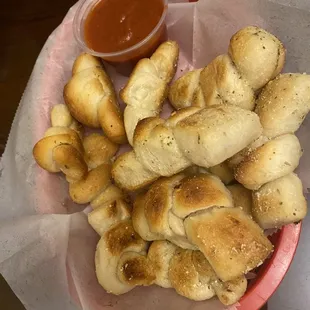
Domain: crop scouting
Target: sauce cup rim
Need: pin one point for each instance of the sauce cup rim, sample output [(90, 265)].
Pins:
[(83, 9)]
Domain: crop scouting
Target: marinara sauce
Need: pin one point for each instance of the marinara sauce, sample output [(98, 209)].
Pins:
[(116, 25)]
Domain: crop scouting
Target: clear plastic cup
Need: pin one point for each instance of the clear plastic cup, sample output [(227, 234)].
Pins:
[(130, 56)]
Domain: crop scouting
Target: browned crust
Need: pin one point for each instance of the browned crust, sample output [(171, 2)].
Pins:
[(145, 126), (181, 90), (202, 265), (107, 115), (158, 203), (201, 192), (70, 161), (110, 116), (242, 197), (43, 148), (121, 237), (98, 149), (230, 240), (135, 270), (95, 182), (182, 272)]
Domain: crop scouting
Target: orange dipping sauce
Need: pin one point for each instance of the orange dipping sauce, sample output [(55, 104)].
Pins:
[(116, 25)]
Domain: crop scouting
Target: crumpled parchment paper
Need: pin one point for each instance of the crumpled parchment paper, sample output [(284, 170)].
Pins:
[(47, 246)]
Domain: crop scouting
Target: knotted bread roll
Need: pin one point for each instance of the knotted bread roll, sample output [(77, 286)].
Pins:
[(272, 160), (123, 261), (191, 275), (279, 202), (204, 137), (86, 164), (111, 219), (254, 58), (98, 149), (96, 187), (91, 98), (61, 149), (147, 87), (282, 106), (111, 214), (266, 165), (120, 260), (197, 212), (98, 153)]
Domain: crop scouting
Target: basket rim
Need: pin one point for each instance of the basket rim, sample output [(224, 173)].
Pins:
[(273, 270)]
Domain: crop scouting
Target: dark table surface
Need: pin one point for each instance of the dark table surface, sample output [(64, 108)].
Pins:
[(25, 26)]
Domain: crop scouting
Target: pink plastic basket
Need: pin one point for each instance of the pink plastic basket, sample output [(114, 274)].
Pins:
[(269, 275)]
